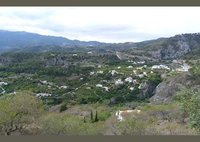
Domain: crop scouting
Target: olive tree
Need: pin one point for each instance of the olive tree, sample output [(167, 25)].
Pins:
[(18, 111)]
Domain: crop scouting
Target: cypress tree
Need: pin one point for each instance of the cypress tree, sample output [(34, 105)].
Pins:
[(84, 119), (91, 116), (96, 117)]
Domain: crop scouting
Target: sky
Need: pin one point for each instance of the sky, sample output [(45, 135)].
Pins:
[(104, 24)]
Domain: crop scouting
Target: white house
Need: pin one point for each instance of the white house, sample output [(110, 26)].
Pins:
[(145, 74), (113, 72), (106, 88), (43, 95), (118, 81), (91, 73), (131, 88), (100, 72), (3, 83), (141, 62), (99, 85), (160, 67), (89, 52), (134, 71), (140, 75), (130, 67), (44, 82), (129, 79), (63, 87), (120, 114)]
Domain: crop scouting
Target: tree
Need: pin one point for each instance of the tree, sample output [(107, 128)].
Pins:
[(91, 114), (18, 111), (96, 117), (190, 106)]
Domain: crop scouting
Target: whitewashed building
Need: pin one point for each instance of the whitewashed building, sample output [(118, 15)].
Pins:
[(113, 72), (120, 114), (160, 67), (100, 72), (118, 82), (43, 95), (3, 83), (130, 67), (129, 79), (99, 85)]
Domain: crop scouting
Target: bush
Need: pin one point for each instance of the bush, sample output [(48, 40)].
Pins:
[(104, 115), (63, 106)]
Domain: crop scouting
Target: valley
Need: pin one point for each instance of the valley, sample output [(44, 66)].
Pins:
[(120, 91)]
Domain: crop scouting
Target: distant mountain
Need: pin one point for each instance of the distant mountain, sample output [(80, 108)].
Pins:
[(10, 39), (18, 41), (158, 49)]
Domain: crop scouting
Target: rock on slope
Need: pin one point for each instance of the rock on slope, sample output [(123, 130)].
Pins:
[(165, 90)]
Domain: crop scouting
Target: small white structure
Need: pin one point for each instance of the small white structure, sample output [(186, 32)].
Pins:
[(13, 93), (113, 72), (119, 67), (106, 88), (91, 73), (120, 113), (160, 67), (134, 71), (118, 82), (3, 83), (90, 53), (81, 78), (130, 67), (151, 71), (63, 87), (184, 68), (130, 61), (134, 81), (43, 95), (99, 85), (140, 86), (100, 72), (105, 81), (74, 54), (140, 75), (129, 79), (145, 74), (131, 88), (44, 82), (141, 62), (139, 68)]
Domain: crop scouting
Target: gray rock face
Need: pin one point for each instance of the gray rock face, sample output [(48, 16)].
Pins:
[(179, 45), (57, 61), (146, 90), (165, 90)]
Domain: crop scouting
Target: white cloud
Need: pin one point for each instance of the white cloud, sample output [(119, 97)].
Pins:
[(108, 24)]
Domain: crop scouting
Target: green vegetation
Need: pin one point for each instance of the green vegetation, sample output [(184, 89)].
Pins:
[(84, 96)]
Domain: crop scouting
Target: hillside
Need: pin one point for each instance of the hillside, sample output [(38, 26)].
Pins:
[(170, 48)]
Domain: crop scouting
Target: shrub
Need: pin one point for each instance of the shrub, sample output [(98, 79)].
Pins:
[(104, 115)]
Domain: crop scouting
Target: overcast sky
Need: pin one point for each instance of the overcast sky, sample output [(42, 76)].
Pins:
[(105, 24)]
